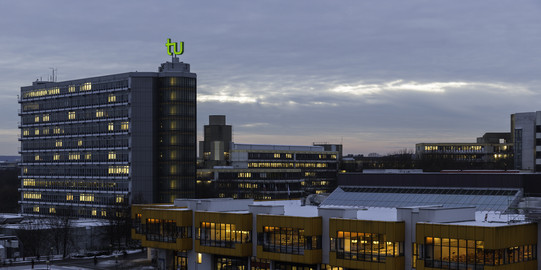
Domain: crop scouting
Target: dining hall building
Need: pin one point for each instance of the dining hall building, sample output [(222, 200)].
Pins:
[(353, 228)]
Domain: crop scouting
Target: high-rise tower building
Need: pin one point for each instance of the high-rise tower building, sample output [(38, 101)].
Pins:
[(92, 146)]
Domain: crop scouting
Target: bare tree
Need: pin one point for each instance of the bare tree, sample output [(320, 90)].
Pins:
[(32, 235), (60, 233)]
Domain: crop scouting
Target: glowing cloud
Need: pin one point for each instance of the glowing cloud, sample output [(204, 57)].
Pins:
[(398, 85)]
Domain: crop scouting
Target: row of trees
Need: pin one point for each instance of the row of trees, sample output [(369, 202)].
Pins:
[(46, 236), (64, 235)]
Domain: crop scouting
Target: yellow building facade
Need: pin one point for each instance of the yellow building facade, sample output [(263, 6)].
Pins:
[(243, 234)]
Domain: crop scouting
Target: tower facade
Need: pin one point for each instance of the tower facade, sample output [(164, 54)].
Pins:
[(214, 150), (91, 146)]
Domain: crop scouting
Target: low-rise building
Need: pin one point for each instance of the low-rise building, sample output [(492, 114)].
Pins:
[(491, 151), (354, 228)]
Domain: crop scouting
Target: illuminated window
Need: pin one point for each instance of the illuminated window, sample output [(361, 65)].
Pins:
[(103, 213), (173, 95), (111, 126), (173, 125), (36, 118), (119, 199), (100, 113), (173, 169), (56, 130), (124, 125), (32, 195), (36, 131), (276, 155), (245, 175), (36, 209), (199, 256), (88, 156), (173, 154), (173, 110), (25, 170), (112, 155), (289, 156), (29, 182), (360, 246), (71, 88), (45, 118), (111, 98), (71, 115), (26, 132), (173, 81), (36, 157), (94, 212), (119, 170), (45, 131), (173, 184), (52, 210), (86, 86), (174, 139), (80, 143), (86, 197), (74, 156), (69, 197), (56, 157)]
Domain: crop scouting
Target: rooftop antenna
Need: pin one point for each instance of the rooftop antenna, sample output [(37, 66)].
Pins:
[(53, 77)]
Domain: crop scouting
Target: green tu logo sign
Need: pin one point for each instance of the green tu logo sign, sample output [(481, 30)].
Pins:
[(172, 47)]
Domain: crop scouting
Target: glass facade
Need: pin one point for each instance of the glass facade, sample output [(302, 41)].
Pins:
[(221, 235), (452, 253), (177, 139), (370, 247), (65, 145), (181, 260), (287, 240), (227, 263), (259, 264), (294, 266), (163, 230)]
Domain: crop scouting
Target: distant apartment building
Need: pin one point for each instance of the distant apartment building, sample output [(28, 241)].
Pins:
[(92, 146), (526, 133), (260, 171), (485, 153)]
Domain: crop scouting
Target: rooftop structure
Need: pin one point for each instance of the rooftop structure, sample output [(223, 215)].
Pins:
[(482, 199)]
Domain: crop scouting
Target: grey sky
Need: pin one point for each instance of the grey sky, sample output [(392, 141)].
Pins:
[(378, 75)]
